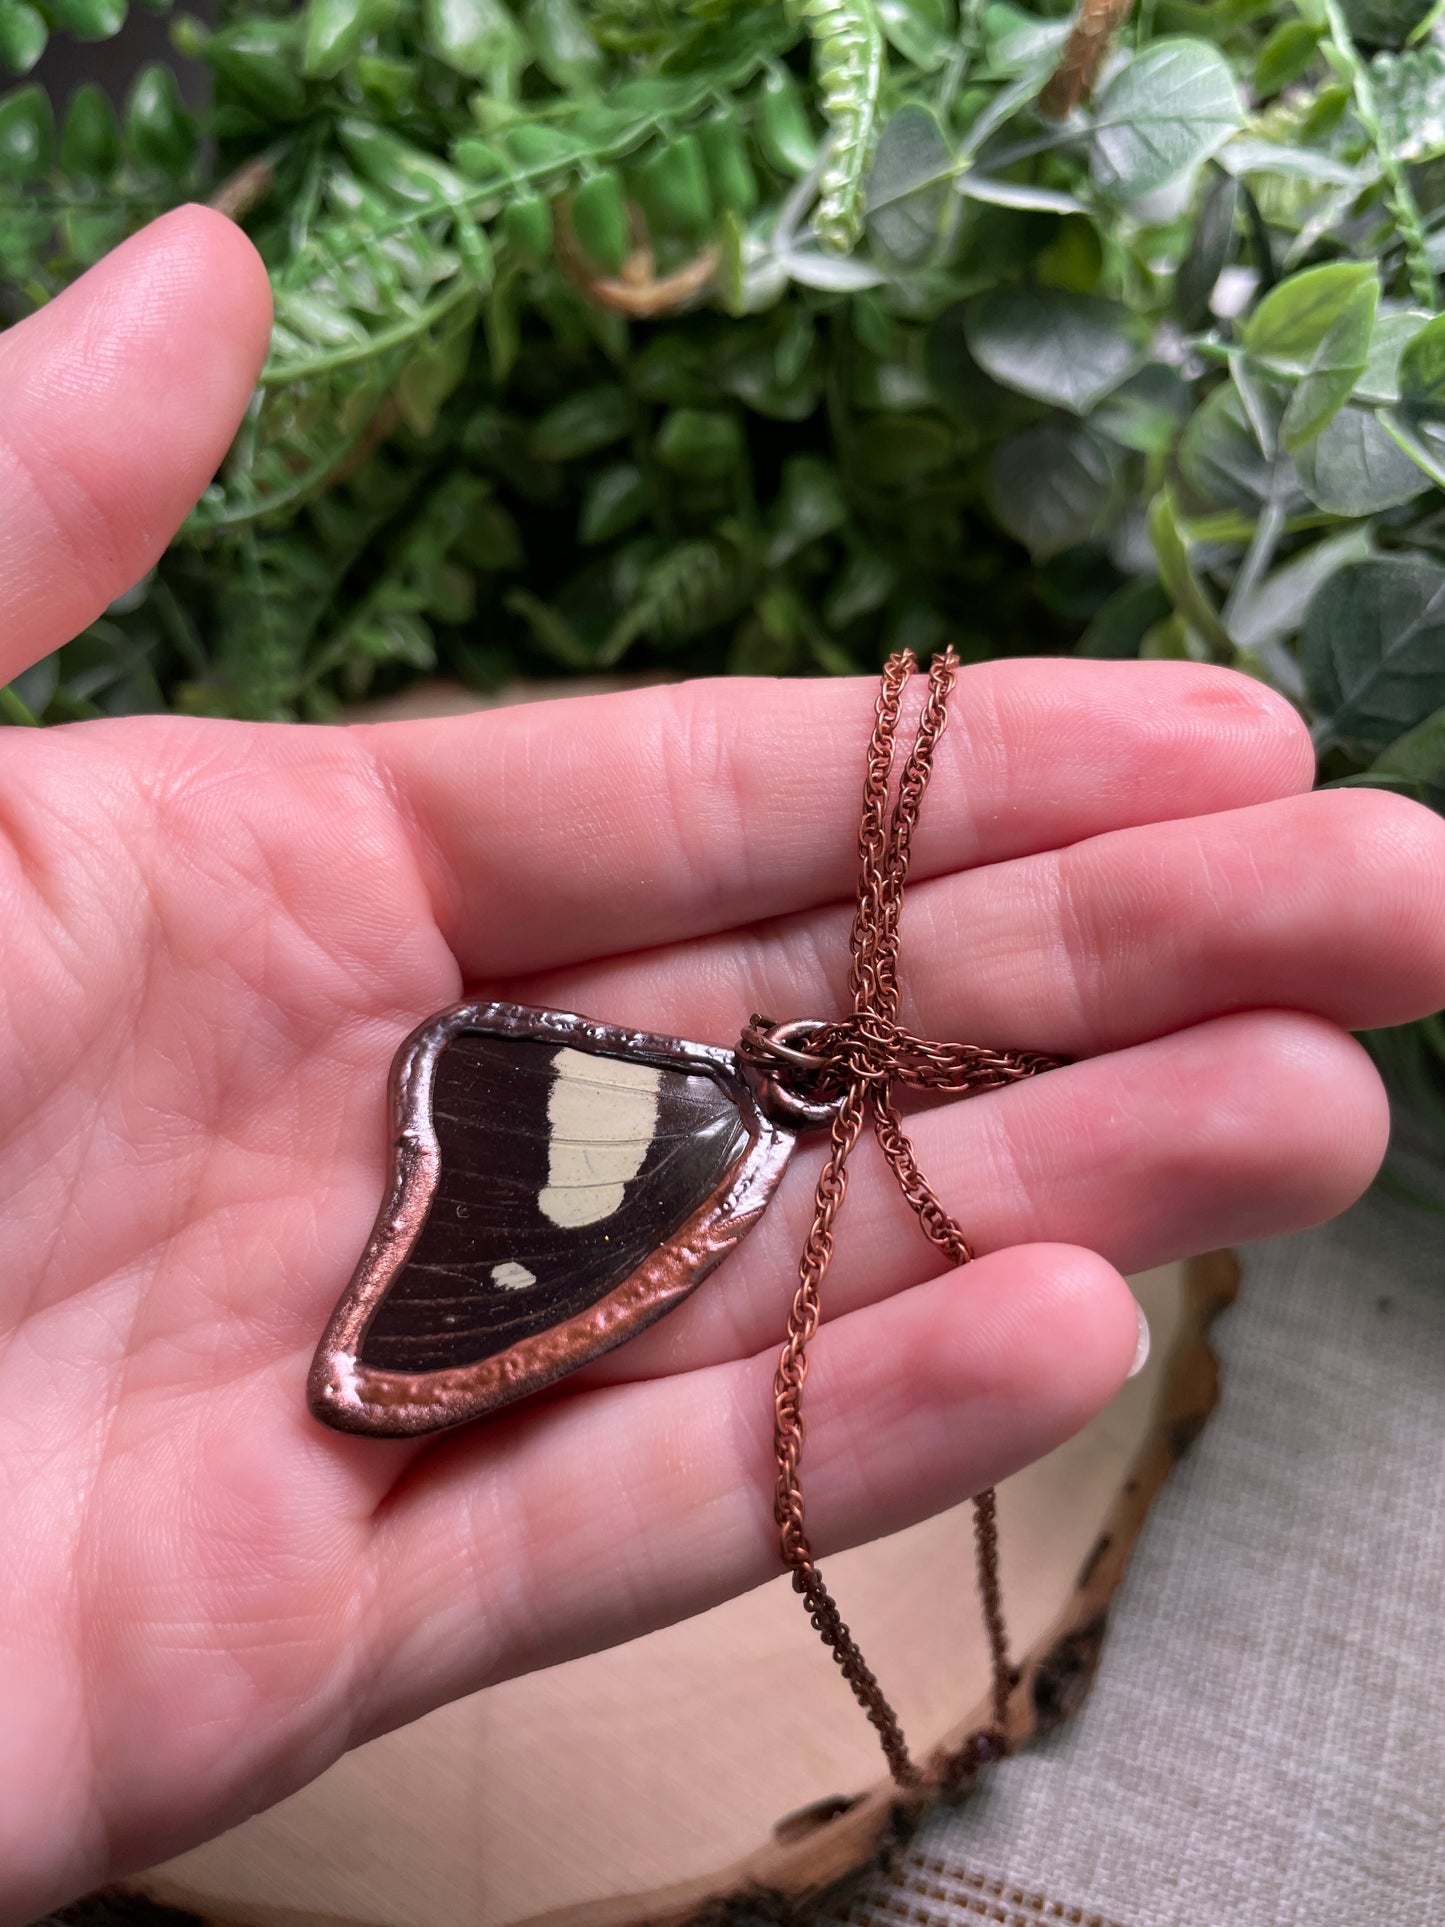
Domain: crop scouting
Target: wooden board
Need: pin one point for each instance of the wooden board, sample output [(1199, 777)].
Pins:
[(634, 1784)]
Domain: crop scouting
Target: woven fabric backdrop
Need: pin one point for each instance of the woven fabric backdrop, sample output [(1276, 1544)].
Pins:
[(1265, 1744)]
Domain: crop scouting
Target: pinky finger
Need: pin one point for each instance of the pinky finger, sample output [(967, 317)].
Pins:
[(605, 1514)]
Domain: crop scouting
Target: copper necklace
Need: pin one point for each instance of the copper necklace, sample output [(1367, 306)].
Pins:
[(558, 1185)]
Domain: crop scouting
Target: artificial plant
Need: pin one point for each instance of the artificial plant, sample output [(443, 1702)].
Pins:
[(770, 335)]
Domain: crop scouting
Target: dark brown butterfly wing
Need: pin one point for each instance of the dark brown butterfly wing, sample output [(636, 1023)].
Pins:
[(558, 1186)]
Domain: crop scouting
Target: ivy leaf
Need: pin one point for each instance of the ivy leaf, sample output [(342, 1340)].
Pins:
[(1168, 110), (1355, 468), (1051, 487), (909, 184), (810, 504), (1373, 650), (1334, 368), (1067, 349)]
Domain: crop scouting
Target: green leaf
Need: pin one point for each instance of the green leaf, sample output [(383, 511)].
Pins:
[(1288, 327), (1421, 439), (1067, 349), (23, 34), (1334, 368), (1209, 251), (1409, 90), (809, 505), (909, 185), (1394, 329), (616, 500), (923, 31), (1176, 572), (890, 451), (1418, 756), (1221, 462), (583, 423), (1117, 632), (477, 38), (565, 49), (1373, 651), (89, 19), (1168, 110), (1355, 468), (704, 443), (1051, 487), (1017, 42), (1147, 412), (1276, 607), (1284, 56)]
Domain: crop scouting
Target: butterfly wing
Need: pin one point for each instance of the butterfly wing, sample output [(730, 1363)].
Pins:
[(558, 1185)]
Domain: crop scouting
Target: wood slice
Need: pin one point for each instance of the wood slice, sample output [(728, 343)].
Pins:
[(724, 1754)]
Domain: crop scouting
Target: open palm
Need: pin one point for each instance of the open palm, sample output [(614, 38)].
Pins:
[(214, 935)]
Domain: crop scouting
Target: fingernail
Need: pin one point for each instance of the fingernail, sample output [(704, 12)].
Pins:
[(1141, 1350)]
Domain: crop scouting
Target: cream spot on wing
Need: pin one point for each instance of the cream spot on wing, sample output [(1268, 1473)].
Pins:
[(603, 1113), (513, 1277)]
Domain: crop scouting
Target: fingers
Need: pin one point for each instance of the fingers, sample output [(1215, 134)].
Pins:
[(604, 1515), (1239, 1129), (117, 403), (1332, 903), (552, 831)]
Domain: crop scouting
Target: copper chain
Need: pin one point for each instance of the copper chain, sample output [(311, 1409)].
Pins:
[(856, 1062)]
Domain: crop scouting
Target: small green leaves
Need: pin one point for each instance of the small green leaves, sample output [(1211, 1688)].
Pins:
[(583, 423), (334, 32), (27, 133), (159, 132), (563, 44), (784, 136), (909, 187), (1171, 107), (704, 444), (1374, 648), (89, 19), (477, 38), (599, 221), (23, 34), (1067, 349), (90, 138)]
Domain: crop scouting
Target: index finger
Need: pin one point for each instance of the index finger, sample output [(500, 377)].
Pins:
[(564, 831)]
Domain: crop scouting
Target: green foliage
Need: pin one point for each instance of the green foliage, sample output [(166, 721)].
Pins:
[(770, 334)]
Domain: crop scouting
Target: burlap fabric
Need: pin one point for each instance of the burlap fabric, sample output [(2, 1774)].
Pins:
[(1265, 1745)]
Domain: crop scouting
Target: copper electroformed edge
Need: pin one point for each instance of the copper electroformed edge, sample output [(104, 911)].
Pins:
[(353, 1397)]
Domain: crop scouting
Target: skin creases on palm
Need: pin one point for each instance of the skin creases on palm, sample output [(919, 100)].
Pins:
[(215, 935)]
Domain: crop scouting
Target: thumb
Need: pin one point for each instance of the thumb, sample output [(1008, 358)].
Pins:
[(117, 403)]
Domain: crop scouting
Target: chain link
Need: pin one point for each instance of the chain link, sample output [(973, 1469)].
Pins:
[(855, 1062)]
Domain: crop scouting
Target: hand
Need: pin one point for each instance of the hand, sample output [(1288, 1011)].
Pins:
[(214, 937)]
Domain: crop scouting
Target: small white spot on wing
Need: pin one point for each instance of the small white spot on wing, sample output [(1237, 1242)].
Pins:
[(512, 1276)]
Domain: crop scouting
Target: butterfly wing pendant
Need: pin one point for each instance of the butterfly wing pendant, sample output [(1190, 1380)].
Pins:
[(557, 1186)]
